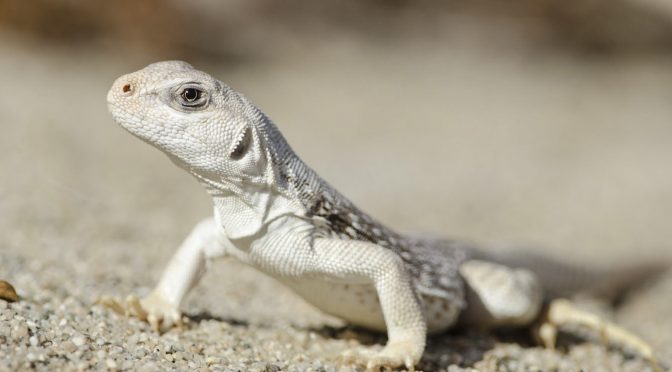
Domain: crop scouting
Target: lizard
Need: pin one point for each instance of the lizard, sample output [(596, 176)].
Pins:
[(274, 213)]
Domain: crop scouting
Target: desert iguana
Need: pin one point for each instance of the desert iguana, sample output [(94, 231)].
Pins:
[(276, 214)]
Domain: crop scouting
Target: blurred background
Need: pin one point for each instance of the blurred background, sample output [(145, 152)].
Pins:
[(538, 122)]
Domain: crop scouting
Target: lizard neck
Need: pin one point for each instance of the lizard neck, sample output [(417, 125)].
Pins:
[(246, 216), (244, 208)]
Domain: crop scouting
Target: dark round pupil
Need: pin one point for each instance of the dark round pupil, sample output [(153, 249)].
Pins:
[(190, 94)]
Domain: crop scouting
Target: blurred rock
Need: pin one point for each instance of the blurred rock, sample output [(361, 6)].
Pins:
[(236, 29), (606, 26), (7, 292), (152, 24)]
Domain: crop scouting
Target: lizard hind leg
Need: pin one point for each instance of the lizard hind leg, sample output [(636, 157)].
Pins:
[(562, 312), (501, 296), (498, 295)]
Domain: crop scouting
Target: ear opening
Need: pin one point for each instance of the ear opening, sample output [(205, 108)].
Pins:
[(243, 145)]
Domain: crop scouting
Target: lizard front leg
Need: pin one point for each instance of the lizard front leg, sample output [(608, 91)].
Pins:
[(402, 311), (161, 307)]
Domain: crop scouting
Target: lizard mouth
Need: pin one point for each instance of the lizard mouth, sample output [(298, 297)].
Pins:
[(242, 144)]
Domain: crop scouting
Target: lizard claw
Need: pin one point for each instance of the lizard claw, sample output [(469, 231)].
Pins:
[(112, 304), (394, 355), (154, 309)]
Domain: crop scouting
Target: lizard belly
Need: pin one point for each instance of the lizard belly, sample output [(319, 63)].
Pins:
[(358, 304), (440, 313)]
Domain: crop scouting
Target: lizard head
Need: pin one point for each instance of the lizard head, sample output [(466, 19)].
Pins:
[(202, 124)]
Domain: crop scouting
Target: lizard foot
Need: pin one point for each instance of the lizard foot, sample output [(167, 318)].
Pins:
[(154, 309), (394, 355), (563, 312)]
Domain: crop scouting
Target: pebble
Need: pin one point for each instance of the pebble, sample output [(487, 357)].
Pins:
[(20, 331), (7, 292), (78, 340), (111, 364), (126, 365), (132, 340), (69, 346)]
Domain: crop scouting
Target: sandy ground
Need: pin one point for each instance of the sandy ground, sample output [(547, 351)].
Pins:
[(476, 140)]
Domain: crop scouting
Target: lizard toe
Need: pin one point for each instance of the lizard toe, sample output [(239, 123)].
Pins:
[(153, 309), (395, 355), (158, 312)]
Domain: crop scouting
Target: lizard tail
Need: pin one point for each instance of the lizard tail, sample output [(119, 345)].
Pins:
[(561, 279)]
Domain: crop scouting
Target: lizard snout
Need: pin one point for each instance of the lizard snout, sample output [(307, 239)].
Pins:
[(122, 87)]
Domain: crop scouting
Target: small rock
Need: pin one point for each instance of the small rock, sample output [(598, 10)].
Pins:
[(69, 346), (132, 340), (7, 292), (20, 331), (79, 340), (111, 364), (127, 365), (116, 350), (149, 366)]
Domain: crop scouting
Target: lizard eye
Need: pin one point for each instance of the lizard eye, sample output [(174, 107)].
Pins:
[(191, 97), (191, 94)]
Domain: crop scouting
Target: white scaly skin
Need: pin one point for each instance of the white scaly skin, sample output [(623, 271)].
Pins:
[(274, 213)]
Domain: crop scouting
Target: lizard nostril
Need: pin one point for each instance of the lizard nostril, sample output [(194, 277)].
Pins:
[(126, 88)]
